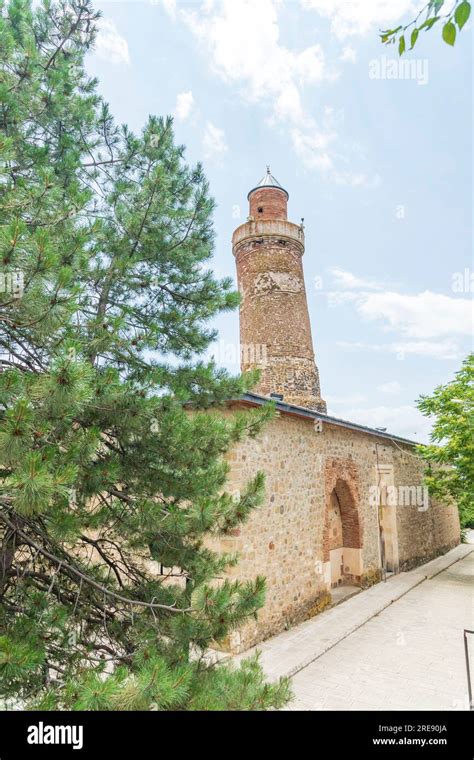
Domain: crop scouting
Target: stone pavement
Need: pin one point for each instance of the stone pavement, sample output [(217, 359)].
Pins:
[(398, 645)]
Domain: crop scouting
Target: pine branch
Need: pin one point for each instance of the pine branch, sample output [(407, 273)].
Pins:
[(64, 566)]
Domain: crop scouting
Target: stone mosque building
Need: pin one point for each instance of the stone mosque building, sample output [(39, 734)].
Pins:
[(344, 504)]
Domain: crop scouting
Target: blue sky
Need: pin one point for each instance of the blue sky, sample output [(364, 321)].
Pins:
[(377, 160)]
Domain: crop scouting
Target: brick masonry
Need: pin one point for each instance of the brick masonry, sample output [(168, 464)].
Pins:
[(268, 250), (268, 203)]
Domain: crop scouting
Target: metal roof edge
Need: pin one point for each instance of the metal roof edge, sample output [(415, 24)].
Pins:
[(283, 406)]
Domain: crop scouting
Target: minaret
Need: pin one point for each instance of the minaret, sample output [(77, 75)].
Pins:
[(275, 332)]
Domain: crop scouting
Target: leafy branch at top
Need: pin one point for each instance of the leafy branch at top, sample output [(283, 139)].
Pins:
[(454, 20)]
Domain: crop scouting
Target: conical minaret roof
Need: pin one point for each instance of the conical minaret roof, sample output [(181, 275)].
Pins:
[(268, 180)]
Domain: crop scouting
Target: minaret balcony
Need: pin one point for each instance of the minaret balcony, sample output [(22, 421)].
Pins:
[(259, 228)]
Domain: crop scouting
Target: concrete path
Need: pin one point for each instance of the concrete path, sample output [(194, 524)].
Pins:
[(398, 645)]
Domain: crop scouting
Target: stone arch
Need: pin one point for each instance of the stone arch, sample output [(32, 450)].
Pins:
[(342, 549)]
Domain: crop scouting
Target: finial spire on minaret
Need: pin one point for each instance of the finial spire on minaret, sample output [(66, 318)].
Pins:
[(267, 181)]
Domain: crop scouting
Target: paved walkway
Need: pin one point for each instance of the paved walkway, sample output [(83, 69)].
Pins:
[(398, 645)]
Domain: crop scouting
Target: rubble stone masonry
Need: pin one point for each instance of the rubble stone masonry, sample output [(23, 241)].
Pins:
[(286, 539)]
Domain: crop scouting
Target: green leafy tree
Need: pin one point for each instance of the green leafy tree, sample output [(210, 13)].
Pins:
[(452, 448), (451, 22), (112, 442)]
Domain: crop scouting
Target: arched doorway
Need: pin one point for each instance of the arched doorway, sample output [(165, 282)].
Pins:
[(343, 540), (336, 543)]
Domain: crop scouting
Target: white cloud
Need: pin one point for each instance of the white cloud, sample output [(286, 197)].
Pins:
[(241, 39), (312, 148), (439, 349), (393, 386), (348, 54), (344, 400), (430, 321), (358, 17), (310, 65), (110, 45), (213, 142), (345, 279), (404, 420), (424, 315), (356, 179), (170, 7), (184, 105)]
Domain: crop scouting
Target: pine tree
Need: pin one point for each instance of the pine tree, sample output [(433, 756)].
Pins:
[(112, 443)]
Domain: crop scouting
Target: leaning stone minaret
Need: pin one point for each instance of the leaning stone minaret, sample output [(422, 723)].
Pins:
[(275, 332)]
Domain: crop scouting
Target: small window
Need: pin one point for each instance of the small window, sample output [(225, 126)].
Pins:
[(260, 209)]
